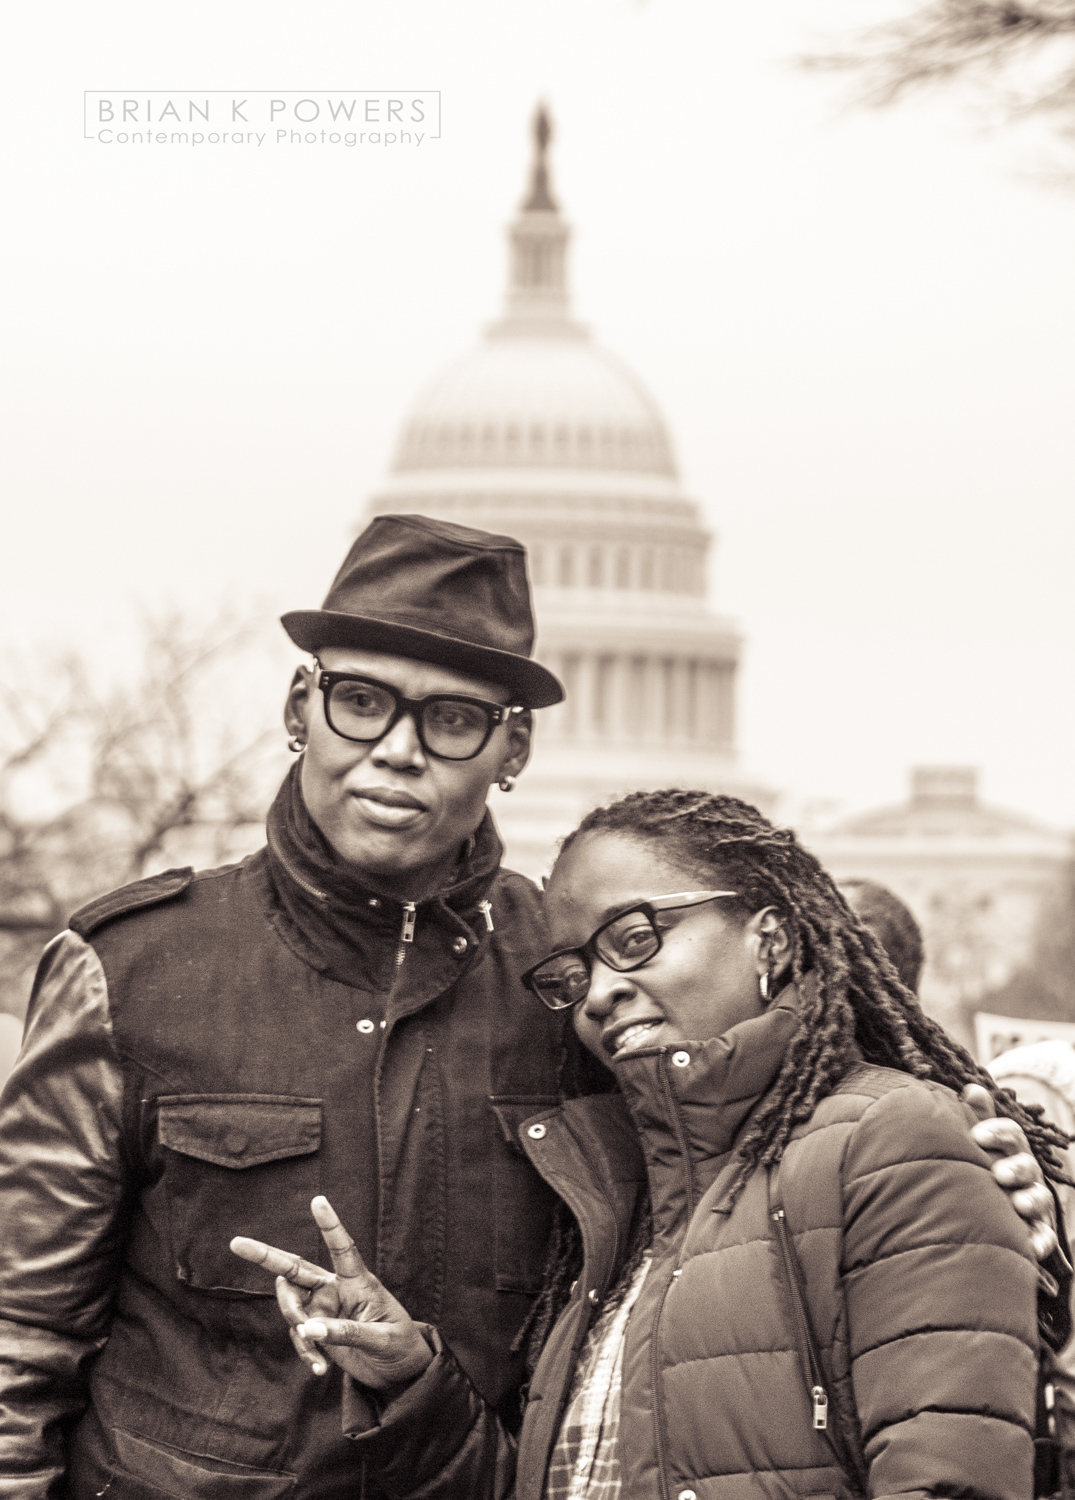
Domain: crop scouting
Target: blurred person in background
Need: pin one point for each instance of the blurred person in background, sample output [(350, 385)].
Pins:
[(1043, 1074)]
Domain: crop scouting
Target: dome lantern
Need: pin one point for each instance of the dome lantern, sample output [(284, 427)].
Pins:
[(541, 434), (537, 301)]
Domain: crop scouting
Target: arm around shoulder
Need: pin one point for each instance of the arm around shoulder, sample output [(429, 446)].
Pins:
[(940, 1285), (62, 1192)]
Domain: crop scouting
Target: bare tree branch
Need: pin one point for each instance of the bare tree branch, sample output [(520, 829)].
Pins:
[(1022, 53), (98, 788)]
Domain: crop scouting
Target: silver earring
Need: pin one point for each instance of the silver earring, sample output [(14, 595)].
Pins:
[(294, 744), (506, 783), (763, 986)]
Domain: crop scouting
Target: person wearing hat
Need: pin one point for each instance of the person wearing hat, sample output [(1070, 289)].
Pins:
[(339, 1013)]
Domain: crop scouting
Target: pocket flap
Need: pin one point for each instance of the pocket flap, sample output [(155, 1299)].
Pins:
[(239, 1130), (511, 1110)]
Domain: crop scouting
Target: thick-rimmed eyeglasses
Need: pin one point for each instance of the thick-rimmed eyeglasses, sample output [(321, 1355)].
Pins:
[(625, 942), (450, 726)]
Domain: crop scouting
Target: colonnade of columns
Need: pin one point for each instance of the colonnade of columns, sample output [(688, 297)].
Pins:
[(633, 697), (667, 568)]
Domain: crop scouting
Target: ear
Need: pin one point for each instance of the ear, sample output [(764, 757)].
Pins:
[(520, 743), (297, 703), (773, 942)]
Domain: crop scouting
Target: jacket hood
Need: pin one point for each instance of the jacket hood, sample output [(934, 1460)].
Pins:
[(689, 1101)]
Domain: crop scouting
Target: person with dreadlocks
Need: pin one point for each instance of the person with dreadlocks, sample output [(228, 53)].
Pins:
[(781, 1266)]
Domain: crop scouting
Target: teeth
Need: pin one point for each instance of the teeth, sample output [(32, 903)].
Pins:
[(633, 1034)]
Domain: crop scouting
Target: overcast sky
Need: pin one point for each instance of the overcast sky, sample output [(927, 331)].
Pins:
[(860, 329)]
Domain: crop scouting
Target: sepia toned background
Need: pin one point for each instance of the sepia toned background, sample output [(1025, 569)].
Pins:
[(857, 326)]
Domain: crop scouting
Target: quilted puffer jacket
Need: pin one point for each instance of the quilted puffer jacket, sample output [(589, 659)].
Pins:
[(919, 1282)]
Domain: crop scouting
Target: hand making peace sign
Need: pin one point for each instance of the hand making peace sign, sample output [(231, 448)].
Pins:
[(363, 1328)]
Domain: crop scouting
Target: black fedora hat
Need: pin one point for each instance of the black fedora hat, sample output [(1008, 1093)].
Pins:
[(413, 586)]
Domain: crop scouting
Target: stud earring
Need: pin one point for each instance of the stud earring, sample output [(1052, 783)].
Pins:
[(506, 783), (294, 744)]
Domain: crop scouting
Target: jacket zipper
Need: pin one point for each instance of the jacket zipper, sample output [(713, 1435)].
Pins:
[(406, 932), (658, 1424), (485, 907), (817, 1389)]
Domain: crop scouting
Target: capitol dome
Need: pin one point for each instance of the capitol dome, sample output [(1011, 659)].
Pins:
[(551, 402), (541, 434)]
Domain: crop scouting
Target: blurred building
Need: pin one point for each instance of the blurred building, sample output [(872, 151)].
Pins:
[(973, 875), (541, 434)]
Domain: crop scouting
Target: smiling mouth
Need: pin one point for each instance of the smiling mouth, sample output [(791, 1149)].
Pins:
[(629, 1037)]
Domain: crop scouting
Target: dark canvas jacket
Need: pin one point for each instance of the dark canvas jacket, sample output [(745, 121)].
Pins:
[(919, 1278), (205, 1053)]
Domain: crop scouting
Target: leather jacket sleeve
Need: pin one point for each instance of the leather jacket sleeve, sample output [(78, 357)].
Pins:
[(63, 1189), (436, 1439)]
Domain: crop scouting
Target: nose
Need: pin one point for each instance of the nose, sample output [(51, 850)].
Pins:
[(607, 988), (401, 749)]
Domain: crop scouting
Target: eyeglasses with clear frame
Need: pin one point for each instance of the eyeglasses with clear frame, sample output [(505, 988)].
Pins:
[(625, 942), (450, 726)]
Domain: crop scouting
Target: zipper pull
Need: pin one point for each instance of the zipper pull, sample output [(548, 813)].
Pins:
[(821, 1407), (487, 912), (777, 1215), (410, 915)]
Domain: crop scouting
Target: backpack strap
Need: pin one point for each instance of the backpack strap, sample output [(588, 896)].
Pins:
[(827, 1417), (143, 893)]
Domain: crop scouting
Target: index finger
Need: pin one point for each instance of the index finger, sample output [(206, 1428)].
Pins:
[(281, 1263), (342, 1248)]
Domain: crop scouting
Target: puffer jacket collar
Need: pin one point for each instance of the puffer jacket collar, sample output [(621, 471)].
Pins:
[(673, 1122), (344, 927), (689, 1101)]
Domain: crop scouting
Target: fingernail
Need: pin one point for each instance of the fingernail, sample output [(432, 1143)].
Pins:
[(314, 1329)]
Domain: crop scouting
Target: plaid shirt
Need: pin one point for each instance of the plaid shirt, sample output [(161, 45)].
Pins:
[(585, 1463)]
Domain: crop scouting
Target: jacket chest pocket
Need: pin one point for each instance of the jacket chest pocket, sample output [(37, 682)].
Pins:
[(238, 1164), (523, 1202)]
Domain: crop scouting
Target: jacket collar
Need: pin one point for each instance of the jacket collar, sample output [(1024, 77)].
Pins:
[(340, 924), (687, 1113)]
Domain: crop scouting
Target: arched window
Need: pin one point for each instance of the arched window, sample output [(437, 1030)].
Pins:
[(623, 567), (595, 572)]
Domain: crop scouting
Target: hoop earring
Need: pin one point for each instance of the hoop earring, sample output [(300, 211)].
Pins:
[(763, 986), (294, 744), (506, 783)]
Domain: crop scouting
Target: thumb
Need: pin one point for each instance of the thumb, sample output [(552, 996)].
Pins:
[(980, 1101)]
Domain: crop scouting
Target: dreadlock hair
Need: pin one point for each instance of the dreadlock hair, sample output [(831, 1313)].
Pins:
[(858, 998), (858, 1001)]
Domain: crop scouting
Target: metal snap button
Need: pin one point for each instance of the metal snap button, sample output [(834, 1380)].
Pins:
[(459, 945), (536, 1132), (680, 1060), (365, 1026), (594, 1296), (373, 901), (236, 1142), (686, 1495)]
